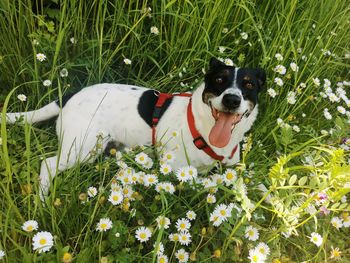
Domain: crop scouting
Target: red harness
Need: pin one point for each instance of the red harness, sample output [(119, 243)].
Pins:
[(198, 140)]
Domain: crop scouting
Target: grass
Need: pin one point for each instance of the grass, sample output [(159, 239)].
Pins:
[(294, 166)]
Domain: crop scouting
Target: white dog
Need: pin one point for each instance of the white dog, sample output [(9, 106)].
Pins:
[(211, 122)]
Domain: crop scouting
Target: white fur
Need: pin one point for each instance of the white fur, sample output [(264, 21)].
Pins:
[(111, 110)]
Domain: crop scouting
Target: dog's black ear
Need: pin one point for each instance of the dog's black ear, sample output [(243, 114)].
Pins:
[(261, 76), (214, 63)]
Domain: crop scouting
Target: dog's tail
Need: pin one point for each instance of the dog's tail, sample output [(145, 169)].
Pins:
[(47, 112)]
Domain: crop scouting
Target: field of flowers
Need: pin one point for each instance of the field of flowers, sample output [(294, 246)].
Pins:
[(288, 200)]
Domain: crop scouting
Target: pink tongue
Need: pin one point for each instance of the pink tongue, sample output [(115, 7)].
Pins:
[(220, 134)]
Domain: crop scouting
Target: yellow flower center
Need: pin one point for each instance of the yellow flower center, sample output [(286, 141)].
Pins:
[(190, 172), (30, 228), (262, 251), (184, 238), (151, 180), (42, 241), (142, 158), (103, 225), (229, 176), (165, 169), (223, 212), (162, 260), (143, 235), (176, 237), (125, 191), (116, 198), (181, 256), (169, 156), (251, 233), (255, 258), (182, 225)]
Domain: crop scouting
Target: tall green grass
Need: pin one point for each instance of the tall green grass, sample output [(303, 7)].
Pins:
[(190, 33)]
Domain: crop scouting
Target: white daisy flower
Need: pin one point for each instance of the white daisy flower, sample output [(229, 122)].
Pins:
[(228, 62), (341, 109), (150, 179), (41, 57), (30, 226), (162, 259), (104, 224), (168, 157), (294, 67), (279, 57), (73, 41), (244, 35), (159, 249), (22, 97), (148, 164), (165, 169), (127, 61), (192, 171), (263, 248), (316, 81), (223, 211), (272, 93), (316, 239), (224, 30), (332, 97), (168, 187), (251, 233), (182, 174), (64, 73), (42, 241), (211, 199), (337, 222), (296, 128), (191, 215), (327, 83), (280, 69), (92, 191), (2, 254), (185, 238), (174, 237), (141, 158), (47, 83), (256, 257), (183, 225), (163, 221), (230, 176), (326, 114), (291, 97), (278, 81), (128, 191), (154, 30), (143, 234), (116, 197), (222, 49), (182, 256)]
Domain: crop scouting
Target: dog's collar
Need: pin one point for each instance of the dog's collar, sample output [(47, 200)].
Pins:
[(198, 140)]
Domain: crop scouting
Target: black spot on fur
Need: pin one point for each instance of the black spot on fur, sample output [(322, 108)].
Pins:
[(65, 99), (146, 106), (111, 147), (134, 88)]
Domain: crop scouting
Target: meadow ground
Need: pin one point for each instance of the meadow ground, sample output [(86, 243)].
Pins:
[(288, 199)]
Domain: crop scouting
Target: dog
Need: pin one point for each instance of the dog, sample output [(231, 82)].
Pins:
[(211, 121)]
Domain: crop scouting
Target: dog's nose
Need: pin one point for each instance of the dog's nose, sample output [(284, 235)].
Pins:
[(231, 101)]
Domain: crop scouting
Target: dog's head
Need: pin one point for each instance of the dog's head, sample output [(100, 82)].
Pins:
[(231, 93)]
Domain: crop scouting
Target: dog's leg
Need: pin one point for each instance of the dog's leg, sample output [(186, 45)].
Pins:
[(47, 173)]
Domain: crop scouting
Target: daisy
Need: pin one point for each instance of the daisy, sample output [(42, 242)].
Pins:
[(333, 98), (272, 93), (150, 179), (263, 248), (224, 30), (316, 81), (162, 259), (174, 237), (182, 256), (336, 222), (230, 176), (92, 191), (30, 226), (223, 211), (72, 40), (67, 257), (251, 233), (291, 97), (143, 234), (346, 219), (326, 114), (222, 49), (154, 30), (296, 128), (182, 225), (163, 221), (41, 57), (116, 197), (128, 191), (228, 62), (211, 199), (168, 157), (141, 158), (159, 249), (185, 238), (42, 241), (64, 73), (316, 239), (148, 164), (127, 61), (192, 171), (166, 186), (2, 254), (279, 57), (191, 215), (280, 69), (47, 83), (244, 35), (278, 81), (22, 97), (256, 257), (104, 224), (182, 174), (335, 253), (294, 67), (165, 169)]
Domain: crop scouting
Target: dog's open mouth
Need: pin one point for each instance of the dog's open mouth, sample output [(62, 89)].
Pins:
[(225, 122)]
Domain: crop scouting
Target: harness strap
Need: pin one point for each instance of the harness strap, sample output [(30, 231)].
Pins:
[(198, 140)]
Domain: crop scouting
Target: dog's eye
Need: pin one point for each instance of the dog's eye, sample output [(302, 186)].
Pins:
[(219, 80), (249, 85)]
